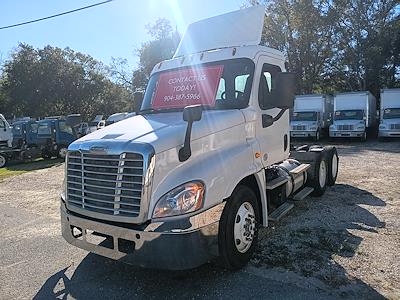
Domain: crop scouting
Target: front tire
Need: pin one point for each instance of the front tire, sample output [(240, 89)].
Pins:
[(317, 136), (238, 228), (3, 161), (62, 152)]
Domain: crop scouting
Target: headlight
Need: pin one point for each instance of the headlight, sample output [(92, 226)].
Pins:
[(313, 127), (332, 127), (183, 199), (362, 127), (382, 126)]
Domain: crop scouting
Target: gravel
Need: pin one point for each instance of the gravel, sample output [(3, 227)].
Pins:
[(342, 244)]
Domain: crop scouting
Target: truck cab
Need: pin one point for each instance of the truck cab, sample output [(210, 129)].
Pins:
[(203, 164), (54, 136), (5, 133), (311, 116), (390, 113), (354, 115)]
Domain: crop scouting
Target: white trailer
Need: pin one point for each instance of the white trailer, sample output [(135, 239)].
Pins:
[(312, 115), (203, 164), (354, 113), (390, 113)]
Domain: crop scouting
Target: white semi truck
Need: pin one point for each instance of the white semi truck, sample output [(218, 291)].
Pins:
[(390, 113), (354, 114), (205, 162), (312, 115)]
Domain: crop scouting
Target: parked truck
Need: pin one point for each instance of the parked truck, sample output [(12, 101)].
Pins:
[(45, 138), (206, 161), (354, 115), (5, 133), (312, 115), (390, 113)]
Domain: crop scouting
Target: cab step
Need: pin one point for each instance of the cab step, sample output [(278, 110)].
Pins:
[(303, 193), (276, 182), (281, 211)]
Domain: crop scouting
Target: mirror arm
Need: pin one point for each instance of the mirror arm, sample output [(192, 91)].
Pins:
[(185, 152)]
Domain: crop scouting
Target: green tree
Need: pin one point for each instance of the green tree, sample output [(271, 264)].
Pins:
[(54, 81)]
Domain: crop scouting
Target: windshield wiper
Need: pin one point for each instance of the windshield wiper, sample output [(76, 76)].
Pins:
[(155, 111)]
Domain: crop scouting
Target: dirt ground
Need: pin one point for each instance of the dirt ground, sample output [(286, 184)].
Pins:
[(345, 243), (349, 239)]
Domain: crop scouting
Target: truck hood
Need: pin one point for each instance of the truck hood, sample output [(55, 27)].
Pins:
[(164, 130), (303, 123), (390, 121), (348, 122)]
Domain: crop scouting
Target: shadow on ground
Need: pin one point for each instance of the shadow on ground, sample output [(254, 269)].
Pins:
[(303, 244), (318, 230), (34, 165)]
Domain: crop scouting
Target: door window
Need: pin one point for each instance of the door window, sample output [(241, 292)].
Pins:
[(266, 84), (2, 124)]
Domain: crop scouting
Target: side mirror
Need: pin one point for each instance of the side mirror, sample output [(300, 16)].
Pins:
[(283, 90), (137, 101), (191, 114), (282, 93)]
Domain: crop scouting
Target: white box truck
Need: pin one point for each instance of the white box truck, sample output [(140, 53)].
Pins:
[(312, 115), (203, 164), (390, 113), (354, 114)]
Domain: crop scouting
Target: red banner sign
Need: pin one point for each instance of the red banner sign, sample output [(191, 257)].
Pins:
[(184, 87)]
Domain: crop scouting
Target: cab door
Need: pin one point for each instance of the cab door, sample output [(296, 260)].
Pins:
[(272, 129)]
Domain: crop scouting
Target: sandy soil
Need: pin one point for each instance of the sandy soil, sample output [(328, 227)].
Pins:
[(345, 242)]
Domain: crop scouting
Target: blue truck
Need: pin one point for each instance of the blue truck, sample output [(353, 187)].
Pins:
[(46, 138)]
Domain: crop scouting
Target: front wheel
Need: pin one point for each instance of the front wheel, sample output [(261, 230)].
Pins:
[(3, 160), (62, 152), (238, 231), (317, 136)]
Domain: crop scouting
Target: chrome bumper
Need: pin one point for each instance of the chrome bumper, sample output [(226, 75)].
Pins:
[(299, 133), (177, 244), (346, 133), (389, 133)]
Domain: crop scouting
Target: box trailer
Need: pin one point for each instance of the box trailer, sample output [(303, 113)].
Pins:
[(390, 113), (354, 113), (311, 116)]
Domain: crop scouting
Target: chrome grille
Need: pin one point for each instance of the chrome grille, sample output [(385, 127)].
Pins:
[(345, 127), (108, 184), (394, 126), (298, 127)]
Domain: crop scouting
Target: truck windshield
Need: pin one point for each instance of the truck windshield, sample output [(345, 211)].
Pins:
[(304, 116), (44, 128), (218, 85), (391, 113), (354, 114)]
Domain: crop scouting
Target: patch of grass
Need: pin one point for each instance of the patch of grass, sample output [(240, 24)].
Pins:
[(21, 168)]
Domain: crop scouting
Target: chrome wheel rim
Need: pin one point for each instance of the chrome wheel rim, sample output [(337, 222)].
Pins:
[(322, 174), (2, 161), (244, 228), (334, 165), (63, 152)]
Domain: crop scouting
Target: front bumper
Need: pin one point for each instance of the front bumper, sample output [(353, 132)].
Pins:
[(299, 133), (346, 133), (389, 133), (178, 244)]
